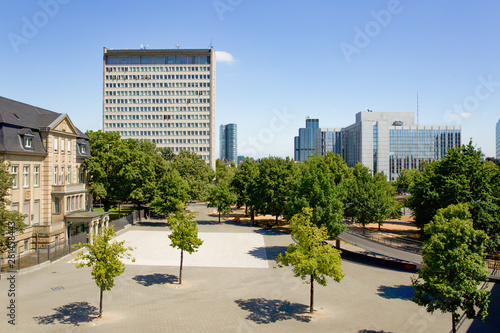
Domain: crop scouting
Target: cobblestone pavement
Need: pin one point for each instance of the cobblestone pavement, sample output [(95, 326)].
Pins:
[(60, 298)]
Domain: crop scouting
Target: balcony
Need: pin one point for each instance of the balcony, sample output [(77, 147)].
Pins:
[(69, 188)]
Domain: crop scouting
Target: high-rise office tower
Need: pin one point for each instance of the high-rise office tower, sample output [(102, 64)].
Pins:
[(305, 142), (165, 96), (229, 142)]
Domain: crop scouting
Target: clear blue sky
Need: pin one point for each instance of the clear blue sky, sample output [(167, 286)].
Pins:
[(324, 59)]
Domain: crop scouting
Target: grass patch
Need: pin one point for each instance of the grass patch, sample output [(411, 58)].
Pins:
[(115, 213)]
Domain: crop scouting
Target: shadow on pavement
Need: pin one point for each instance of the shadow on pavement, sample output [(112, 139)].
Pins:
[(70, 314), (156, 278), (153, 224), (492, 323), (264, 311), (268, 252), (397, 292), (208, 222), (269, 232), (372, 331)]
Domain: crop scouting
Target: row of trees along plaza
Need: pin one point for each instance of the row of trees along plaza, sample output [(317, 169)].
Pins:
[(461, 189)]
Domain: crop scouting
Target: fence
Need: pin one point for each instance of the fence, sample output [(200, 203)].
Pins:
[(54, 252), (401, 243)]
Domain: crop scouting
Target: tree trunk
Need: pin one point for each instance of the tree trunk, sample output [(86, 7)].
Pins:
[(379, 226), (453, 322), (311, 303), (219, 216), (100, 306), (180, 271), (277, 215), (246, 209)]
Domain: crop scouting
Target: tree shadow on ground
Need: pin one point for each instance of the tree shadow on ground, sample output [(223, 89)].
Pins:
[(268, 252), (153, 224), (372, 331), (268, 232), (156, 278), (492, 322), (204, 222), (405, 293), (264, 311), (70, 314)]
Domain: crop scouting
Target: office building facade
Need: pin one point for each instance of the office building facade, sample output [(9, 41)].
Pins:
[(164, 96), (389, 142), (305, 143), (228, 139), (385, 142)]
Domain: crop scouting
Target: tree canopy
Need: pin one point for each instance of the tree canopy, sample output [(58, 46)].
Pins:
[(184, 234), (454, 266), (311, 258), (460, 177), (195, 171), (221, 196), (172, 193), (315, 186), (104, 256)]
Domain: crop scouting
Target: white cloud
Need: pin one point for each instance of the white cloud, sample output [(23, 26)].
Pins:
[(461, 115), (223, 56)]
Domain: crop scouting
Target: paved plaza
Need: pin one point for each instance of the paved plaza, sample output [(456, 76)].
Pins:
[(231, 285)]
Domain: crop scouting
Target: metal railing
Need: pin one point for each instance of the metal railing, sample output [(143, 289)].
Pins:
[(397, 242)]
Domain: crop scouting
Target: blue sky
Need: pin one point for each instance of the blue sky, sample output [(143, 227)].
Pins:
[(287, 60)]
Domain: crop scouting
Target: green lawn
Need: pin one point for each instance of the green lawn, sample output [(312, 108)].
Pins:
[(114, 213)]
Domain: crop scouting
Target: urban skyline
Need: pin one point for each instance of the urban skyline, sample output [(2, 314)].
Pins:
[(376, 55)]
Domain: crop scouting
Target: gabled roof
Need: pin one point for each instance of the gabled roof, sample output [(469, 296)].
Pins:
[(24, 115)]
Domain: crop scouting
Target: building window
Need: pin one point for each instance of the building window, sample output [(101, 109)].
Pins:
[(14, 170), (69, 146), (55, 175), (68, 175), (36, 175), (67, 204), (56, 141), (84, 149), (61, 176), (26, 175), (81, 175), (28, 142), (25, 245), (57, 208)]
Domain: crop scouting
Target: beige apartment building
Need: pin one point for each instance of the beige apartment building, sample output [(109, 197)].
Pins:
[(166, 96), (45, 151)]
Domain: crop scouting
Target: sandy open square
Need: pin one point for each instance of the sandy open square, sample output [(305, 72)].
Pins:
[(234, 250)]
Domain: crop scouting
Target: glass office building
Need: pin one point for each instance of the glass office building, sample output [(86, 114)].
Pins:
[(390, 142), (164, 96), (305, 142), (229, 143)]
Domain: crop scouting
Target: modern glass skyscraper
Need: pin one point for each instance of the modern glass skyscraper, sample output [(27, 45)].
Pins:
[(498, 139), (229, 142), (305, 143), (164, 96)]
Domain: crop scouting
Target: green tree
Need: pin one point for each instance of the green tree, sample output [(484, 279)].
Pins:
[(460, 177), (167, 153), (224, 172), (269, 191), (172, 193), (195, 171), (103, 167), (315, 187), (454, 266), (104, 256), (9, 220), (370, 198), (406, 179), (184, 234), (312, 257), (222, 197), (241, 182)]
